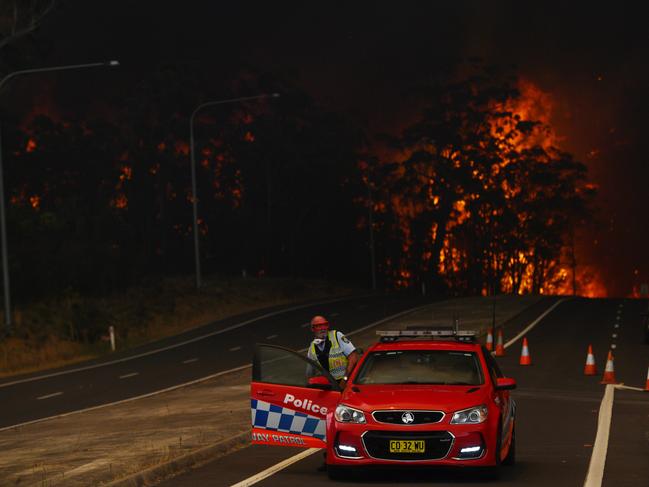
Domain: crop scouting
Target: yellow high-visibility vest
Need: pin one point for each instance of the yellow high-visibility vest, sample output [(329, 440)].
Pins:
[(337, 359)]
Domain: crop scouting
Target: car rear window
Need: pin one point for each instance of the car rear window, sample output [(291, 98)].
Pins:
[(421, 367)]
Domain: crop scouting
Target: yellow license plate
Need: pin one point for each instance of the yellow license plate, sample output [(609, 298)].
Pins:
[(407, 446)]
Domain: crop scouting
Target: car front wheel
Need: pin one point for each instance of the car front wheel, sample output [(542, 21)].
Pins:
[(510, 459)]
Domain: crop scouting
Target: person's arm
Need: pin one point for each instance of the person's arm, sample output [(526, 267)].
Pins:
[(350, 352), (352, 360)]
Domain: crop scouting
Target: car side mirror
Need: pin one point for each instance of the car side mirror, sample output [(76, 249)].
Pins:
[(505, 384), (320, 382)]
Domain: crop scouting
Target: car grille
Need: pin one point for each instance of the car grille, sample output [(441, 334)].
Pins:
[(419, 417), (377, 444)]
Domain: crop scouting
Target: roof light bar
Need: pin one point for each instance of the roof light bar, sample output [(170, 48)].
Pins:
[(460, 335), (436, 333)]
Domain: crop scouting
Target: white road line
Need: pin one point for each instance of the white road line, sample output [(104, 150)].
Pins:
[(304, 325), (185, 384), (275, 468), (49, 395), (595, 473), (234, 349), (190, 360), (270, 337), (126, 376), (333, 315), (179, 344), (630, 388), (535, 322)]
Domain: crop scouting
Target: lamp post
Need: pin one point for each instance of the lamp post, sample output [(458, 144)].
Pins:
[(3, 225), (197, 258), (370, 209)]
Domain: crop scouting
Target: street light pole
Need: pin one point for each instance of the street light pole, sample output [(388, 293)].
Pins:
[(3, 224), (371, 228), (197, 258)]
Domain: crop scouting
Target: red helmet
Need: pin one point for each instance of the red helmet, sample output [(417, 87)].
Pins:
[(319, 321)]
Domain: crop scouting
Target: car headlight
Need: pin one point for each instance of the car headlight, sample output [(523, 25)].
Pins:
[(345, 414), (472, 415)]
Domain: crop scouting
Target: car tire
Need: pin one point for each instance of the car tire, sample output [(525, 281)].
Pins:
[(510, 459), (493, 473)]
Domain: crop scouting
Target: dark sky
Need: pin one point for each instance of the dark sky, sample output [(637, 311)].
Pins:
[(360, 57)]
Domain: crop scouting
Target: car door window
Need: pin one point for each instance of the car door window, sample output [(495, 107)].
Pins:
[(277, 365), (492, 365)]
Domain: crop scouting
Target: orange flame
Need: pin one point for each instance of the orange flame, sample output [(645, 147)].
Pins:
[(120, 202), (31, 145)]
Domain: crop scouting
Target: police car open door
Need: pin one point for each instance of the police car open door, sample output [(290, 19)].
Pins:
[(290, 398)]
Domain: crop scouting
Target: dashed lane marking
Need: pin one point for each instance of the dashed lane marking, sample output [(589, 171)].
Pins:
[(126, 376), (180, 344), (47, 396), (192, 382), (333, 315), (234, 349), (270, 337), (275, 468), (190, 360), (304, 325)]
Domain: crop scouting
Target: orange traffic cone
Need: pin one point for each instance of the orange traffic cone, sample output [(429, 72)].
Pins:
[(646, 387), (609, 371), (590, 368), (500, 349), (525, 354), (490, 339)]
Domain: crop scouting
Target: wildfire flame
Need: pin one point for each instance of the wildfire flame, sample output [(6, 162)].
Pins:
[(519, 124), (31, 145)]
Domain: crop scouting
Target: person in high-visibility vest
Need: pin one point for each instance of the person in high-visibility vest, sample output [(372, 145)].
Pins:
[(332, 350)]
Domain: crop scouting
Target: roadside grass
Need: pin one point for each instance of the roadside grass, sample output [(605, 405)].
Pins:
[(72, 328)]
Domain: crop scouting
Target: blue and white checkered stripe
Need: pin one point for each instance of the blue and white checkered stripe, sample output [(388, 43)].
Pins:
[(276, 418)]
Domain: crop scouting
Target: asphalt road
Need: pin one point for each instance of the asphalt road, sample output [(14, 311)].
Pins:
[(181, 359), (557, 411)]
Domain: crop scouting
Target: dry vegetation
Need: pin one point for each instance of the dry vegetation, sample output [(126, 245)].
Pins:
[(73, 328)]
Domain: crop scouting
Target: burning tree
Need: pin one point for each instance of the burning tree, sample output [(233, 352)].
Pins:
[(478, 198)]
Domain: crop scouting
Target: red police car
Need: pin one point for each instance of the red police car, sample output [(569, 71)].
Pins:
[(424, 397)]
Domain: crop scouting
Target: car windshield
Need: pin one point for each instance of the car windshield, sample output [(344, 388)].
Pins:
[(421, 367)]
